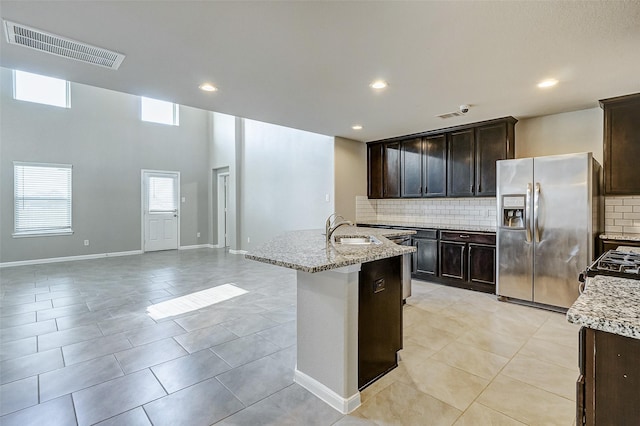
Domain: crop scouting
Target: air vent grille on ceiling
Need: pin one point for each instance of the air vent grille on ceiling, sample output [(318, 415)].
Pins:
[(450, 114), (60, 46)]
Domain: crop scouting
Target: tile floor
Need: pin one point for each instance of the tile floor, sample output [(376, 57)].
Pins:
[(76, 347)]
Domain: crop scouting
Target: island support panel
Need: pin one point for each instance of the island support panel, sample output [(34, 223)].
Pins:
[(327, 325)]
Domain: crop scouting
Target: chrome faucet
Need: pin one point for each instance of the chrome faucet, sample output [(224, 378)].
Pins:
[(332, 225)]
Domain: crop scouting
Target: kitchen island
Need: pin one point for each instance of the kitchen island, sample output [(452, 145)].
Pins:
[(607, 389), (328, 285)]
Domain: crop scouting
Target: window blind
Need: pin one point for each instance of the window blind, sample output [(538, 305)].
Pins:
[(162, 194), (42, 197)]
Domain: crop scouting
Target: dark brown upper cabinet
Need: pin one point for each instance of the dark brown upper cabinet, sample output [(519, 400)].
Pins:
[(435, 166), (461, 164), (374, 170), (412, 167), (493, 142), (424, 167), (391, 170), (621, 145), (455, 162)]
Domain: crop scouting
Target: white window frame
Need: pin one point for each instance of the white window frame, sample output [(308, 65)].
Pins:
[(33, 232), (67, 102), (175, 121)]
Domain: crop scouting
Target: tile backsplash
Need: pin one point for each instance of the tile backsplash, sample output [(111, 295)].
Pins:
[(418, 212), (622, 215)]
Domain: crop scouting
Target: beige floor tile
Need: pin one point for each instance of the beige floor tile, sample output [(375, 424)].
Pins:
[(415, 353), (454, 324), (527, 403), (471, 359), (428, 336), (501, 322), (552, 352), (479, 415), (505, 345), (559, 333), (449, 384), (550, 377), (401, 404)]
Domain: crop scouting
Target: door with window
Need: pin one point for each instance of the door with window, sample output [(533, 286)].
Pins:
[(160, 210)]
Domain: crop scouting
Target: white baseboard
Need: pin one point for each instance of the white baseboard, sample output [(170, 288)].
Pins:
[(242, 252), (344, 405), (68, 258), (197, 246)]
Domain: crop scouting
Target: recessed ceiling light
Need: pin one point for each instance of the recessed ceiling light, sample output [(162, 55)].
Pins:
[(357, 127), (547, 83), (378, 84), (208, 87)]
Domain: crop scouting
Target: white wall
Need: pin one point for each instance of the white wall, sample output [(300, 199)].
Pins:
[(286, 176), (577, 131), (102, 136), (350, 175)]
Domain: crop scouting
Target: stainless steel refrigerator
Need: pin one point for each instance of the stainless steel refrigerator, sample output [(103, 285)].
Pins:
[(550, 213)]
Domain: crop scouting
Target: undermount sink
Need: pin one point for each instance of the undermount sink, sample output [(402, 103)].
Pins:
[(357, 241)]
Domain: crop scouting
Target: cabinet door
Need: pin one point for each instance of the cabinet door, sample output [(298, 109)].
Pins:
[(482, 263), (491, 146), (460, 168), (425, 259), (391, 168), (374, 170), (622, 146), (412, 168), (435, 166), (452, 260)]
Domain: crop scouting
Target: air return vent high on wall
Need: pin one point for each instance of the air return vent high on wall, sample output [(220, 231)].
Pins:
[(56, 45)]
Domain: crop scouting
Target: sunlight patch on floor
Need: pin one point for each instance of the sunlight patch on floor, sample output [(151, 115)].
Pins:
[(194, 301)]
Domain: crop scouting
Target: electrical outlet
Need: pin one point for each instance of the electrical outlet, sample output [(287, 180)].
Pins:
[(86, 242), (197, 234), (326, 197), (248, 239)]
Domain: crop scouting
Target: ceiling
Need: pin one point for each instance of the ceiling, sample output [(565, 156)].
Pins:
[(308, 64)]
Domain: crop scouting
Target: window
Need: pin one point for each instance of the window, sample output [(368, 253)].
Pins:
[(40, 89), (162, 112), (162, 194), (42, 199)]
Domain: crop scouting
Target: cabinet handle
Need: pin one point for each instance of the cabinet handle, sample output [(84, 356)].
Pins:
[(463, 236), (471, 188)]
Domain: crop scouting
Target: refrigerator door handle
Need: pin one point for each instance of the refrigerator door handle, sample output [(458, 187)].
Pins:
[(527, 213), (536, 206)]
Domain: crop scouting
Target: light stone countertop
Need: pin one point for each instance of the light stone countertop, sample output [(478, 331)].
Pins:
[(622, 237), (609, 304), (308, 251), (468, 228)]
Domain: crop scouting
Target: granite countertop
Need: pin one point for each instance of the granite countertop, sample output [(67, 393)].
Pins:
[(623, 237), (469, 228), (609, 304), (308, 251)]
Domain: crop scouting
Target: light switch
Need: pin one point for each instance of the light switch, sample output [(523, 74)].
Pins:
[(184, 199)]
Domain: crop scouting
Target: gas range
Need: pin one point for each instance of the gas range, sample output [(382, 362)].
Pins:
[(616, 264)]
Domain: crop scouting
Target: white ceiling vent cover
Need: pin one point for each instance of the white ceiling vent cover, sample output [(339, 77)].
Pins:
[(50, 43), (450, 115)]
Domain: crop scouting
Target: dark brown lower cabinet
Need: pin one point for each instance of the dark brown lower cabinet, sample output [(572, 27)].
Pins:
[(482, 260), (425, 259), (379, 318), (468, 260), (452, 260), (608, 389), (606, 245)]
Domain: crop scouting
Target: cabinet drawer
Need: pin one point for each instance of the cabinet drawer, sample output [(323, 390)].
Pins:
[(430, 234), (469, 237)]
